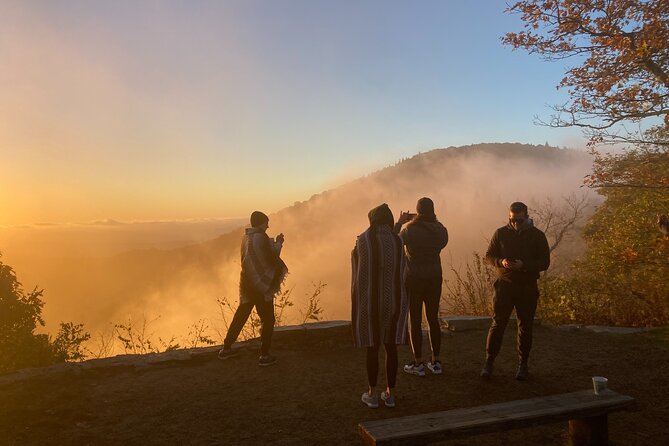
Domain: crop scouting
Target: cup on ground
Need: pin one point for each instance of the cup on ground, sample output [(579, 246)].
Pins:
[(600, 384)]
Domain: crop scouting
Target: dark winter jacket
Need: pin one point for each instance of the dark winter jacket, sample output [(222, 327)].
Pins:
[(424, 240), (528, 244)]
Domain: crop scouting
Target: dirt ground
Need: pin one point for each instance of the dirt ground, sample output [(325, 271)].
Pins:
[(312, 395)]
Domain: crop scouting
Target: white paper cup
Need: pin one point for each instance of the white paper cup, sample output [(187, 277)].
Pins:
[(600, 384)]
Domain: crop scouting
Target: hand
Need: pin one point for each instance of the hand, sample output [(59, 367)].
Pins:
[(404, 218), (280, 238)]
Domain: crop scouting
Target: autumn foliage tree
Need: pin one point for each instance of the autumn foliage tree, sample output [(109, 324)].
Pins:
[(622, 277), (621, 76), (644, 167)]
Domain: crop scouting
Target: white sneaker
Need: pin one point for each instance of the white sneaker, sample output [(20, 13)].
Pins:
[(371, 401), (415, 369), (434, 367), (389, 400)]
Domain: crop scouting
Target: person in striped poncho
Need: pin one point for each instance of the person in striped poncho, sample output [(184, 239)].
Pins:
[(379, 301)]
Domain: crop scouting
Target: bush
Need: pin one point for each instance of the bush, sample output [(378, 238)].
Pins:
[(470, 290), (622, 277), (20, 315)]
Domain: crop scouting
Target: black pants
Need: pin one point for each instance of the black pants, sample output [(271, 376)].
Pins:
[(265, 311), (373, 365), (508, 295), (424, 291)]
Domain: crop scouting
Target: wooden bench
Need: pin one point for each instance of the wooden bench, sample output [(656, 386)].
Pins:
[(585, 411)]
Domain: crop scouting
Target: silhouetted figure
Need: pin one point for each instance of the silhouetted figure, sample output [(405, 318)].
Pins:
[(424, 238), (520, 252), (663, 223), (379, 302), (263, 273)]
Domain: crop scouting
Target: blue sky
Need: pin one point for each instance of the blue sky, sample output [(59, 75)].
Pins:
[(173, 110)]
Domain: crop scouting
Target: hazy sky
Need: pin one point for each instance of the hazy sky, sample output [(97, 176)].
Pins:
[(192, 109)]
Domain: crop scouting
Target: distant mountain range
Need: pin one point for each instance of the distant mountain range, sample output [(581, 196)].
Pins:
[(471, 187)]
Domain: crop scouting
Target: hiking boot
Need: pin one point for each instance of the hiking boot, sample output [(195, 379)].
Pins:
[(486, 371), (266, 360), (389, 400), (523, 372), (226, 353), (371, 401), (434, 367), (415, 369)]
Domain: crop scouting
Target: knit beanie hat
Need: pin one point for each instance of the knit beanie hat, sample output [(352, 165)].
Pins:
[(258, 219)]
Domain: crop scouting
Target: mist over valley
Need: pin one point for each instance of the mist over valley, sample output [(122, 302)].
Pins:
[(104, 273)]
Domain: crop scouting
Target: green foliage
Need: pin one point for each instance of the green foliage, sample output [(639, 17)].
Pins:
[(20, 316), (622, 278)]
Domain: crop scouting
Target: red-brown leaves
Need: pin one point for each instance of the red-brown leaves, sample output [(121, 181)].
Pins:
[(623, 50)]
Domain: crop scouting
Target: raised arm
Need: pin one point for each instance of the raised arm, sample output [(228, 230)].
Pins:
[(267, 249)]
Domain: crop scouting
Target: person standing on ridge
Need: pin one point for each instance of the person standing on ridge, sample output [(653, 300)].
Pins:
[(520, 252), (378, 300), (263, 273), (424, 238)]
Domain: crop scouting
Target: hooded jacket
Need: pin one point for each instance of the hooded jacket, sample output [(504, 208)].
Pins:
[(424, 240), (528, 244)]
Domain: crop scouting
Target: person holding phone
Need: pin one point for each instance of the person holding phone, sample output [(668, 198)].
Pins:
[(262, 275), (520, 252), (423, 237)]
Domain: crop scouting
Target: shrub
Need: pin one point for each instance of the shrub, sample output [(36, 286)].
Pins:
[(20, 316)]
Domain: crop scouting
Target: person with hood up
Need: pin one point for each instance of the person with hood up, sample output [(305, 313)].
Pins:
[(424, 237), (520, 252), (378, 300)]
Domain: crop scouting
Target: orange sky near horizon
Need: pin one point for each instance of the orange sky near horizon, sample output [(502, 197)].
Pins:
[(90, 130)]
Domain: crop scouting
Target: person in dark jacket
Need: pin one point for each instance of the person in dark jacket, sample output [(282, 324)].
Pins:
[(520, 252), (424, 238)]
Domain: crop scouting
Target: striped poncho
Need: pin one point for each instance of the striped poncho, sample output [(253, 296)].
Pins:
[(263, 271), (379, 300)]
